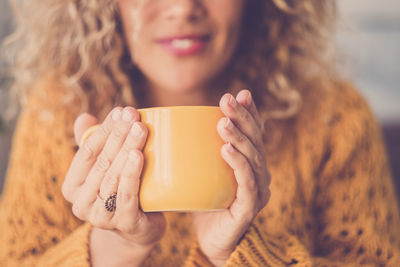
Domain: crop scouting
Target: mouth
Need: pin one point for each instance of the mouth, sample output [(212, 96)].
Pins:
[(184, 45)]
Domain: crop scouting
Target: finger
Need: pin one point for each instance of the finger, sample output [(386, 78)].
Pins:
[(122, 125), (135, 140), (120, 131), (86, 156), (242, 119), (127, 212), (95, 211), (82, 123), (244, 97), (129, 218), (245, 204), (231, 134), (98, 213), (258, 162)]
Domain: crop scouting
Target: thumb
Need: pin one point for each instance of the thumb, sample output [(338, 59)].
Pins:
[(82, 123)]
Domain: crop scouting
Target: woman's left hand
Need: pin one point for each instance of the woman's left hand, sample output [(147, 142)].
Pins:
[(219, 232)]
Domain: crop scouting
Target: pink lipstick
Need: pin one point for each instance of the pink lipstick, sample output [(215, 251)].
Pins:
[(184, 45)]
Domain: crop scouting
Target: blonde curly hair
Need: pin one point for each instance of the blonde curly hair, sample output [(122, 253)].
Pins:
[(284, 50)]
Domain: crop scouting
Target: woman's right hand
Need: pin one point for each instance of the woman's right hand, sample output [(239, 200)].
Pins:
[(110, 161)]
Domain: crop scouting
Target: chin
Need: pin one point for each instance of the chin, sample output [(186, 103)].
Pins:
[(182, 83)]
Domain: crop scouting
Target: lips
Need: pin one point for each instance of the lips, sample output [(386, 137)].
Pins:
[(184, 45)]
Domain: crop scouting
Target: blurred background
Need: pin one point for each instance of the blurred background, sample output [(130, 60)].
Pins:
[(368, 39)]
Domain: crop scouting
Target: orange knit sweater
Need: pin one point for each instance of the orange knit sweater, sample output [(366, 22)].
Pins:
[(332, 203)]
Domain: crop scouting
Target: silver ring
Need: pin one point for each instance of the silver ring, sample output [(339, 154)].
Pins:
[(110, 202)]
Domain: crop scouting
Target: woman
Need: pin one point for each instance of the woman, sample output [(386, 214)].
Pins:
[(330, 201)]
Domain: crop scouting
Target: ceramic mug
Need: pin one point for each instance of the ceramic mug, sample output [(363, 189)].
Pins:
[(183, 168)]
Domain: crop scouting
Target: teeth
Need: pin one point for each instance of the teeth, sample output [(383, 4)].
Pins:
[(182, 43)]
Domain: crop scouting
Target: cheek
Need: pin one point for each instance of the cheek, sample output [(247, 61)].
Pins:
[(229, 24), (135, 16), (227, 12), (144, 19)]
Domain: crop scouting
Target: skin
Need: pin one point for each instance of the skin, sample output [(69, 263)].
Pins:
[(174, 80), (111, 160)]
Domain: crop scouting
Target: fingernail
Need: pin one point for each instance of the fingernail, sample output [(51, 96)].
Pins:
[(116, 115), (126, 115), (230, 148), (232, 101), (136, 130), (133, 155), (248, 100), (228, 124)]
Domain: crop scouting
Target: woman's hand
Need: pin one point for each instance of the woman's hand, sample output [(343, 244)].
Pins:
[(219, 232), (110, 161)]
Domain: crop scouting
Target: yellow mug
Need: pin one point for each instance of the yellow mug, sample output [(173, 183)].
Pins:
[(183, 167)]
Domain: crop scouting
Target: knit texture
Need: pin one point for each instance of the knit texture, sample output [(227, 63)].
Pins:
[(332, 202)]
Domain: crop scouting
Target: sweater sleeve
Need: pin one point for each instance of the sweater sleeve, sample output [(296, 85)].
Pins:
[(354, 206), (37, 227)]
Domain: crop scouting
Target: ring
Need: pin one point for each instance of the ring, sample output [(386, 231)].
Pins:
[(110, 202)]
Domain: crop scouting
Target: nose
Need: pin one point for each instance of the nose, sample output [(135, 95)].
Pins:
[(190, 10)]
